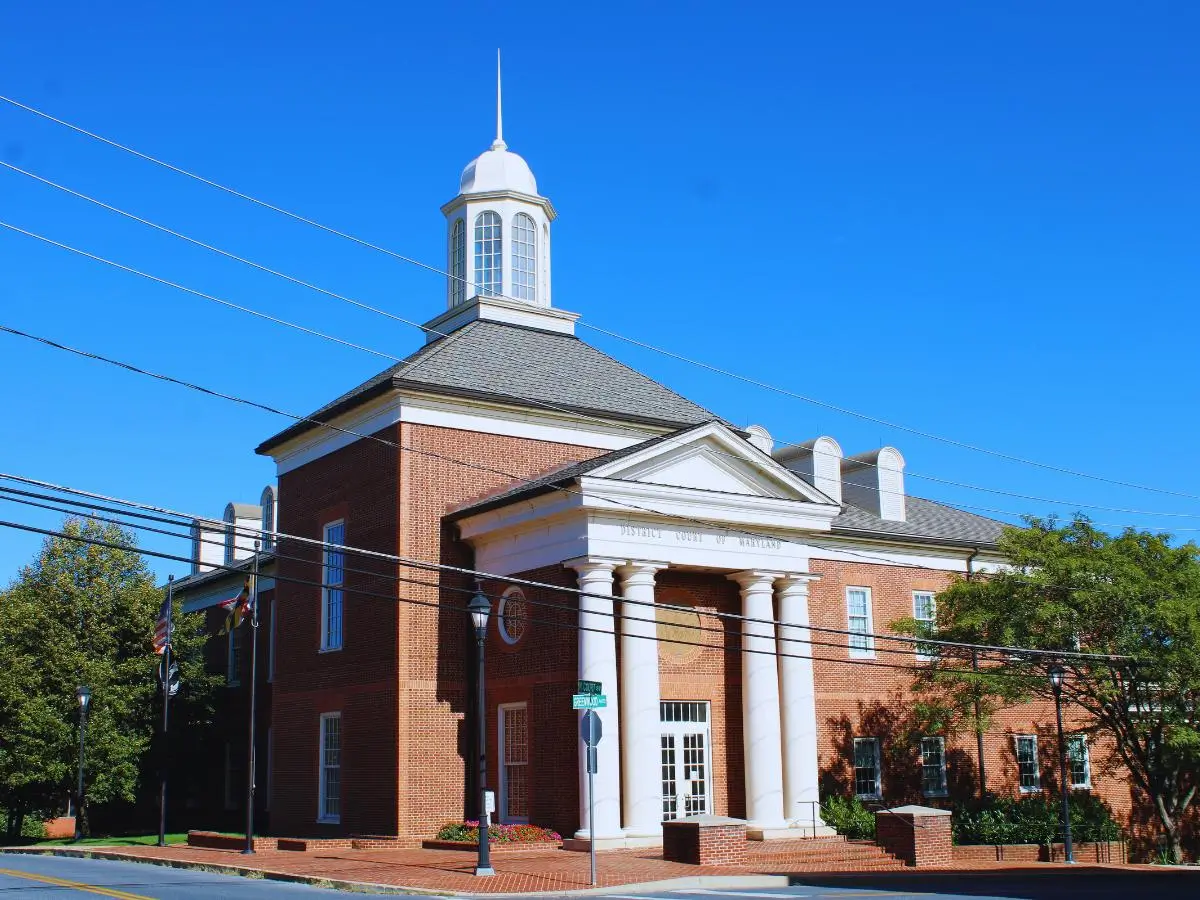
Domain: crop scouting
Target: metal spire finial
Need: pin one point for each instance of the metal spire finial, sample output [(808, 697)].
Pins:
[(499, 144)]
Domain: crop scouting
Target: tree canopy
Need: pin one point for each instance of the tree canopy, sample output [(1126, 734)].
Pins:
[(84, 614), (1073, 588)]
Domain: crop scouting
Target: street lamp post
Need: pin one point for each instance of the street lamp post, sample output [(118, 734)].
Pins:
[(84, 695), (1057, 674), (480, 609)]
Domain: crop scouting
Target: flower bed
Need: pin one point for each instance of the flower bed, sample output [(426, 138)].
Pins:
[(465, 836)]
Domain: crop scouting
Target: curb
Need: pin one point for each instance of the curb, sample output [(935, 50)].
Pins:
[(645, 887)]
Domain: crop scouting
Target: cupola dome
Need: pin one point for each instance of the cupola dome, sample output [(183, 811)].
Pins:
[(497, 169)]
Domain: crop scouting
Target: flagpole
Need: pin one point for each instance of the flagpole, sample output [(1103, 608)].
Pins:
[(166, 689), (253, 695)]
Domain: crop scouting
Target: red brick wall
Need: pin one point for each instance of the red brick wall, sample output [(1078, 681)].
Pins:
[(401, 682)]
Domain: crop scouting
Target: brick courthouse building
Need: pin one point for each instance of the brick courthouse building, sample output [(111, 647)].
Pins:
[(509, 445)]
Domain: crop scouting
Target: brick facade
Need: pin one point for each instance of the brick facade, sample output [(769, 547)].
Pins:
[(402, 680)]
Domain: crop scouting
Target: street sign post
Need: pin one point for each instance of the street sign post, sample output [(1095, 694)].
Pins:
[(589, 701), (591, 729)]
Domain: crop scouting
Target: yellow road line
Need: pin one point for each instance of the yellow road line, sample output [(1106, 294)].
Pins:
[(76, 885)]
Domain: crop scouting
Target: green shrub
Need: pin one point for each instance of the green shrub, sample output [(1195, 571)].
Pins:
[(1032, 820), (848, 816)]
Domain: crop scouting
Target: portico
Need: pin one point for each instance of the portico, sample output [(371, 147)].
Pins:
[(702, 500)]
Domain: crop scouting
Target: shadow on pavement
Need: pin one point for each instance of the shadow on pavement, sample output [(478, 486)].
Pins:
[(1023, 884)]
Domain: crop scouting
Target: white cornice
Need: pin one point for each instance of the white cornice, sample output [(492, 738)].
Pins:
[(459, 413), (484, 196)]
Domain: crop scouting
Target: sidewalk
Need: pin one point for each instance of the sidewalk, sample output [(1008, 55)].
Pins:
[(450, 871)]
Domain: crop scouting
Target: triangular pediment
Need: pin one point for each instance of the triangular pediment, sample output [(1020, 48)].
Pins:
[(710, 457)]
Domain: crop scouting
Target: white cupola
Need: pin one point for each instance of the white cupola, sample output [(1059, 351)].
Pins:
[(498, 229)]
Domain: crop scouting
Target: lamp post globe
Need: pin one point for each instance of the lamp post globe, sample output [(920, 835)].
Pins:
[(1057, 678), (480, 609), (83, 694)]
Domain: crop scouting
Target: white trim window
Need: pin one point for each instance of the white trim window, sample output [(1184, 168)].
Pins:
[(514, 763), (271, 643), (329, 798), (866, 768), (858, 618), (933, 766), (458, 262), (1079, 762), (1029, 776), (233, 658), (489, 254), (925, 615), (333, 577), (524, 258), (230, 797)]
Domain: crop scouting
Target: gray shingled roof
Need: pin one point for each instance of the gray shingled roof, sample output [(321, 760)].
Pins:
[(924, 519), (511, 363)]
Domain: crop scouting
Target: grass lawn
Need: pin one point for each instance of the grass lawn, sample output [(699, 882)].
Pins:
[(140, 840)]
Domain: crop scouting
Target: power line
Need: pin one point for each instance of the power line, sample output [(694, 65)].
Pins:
[(92, 513), (536, 401), (475, 573), (668, 353), (441, 605), (188, 290)]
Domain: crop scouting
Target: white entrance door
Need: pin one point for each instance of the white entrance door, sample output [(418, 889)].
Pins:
[(686, 760)]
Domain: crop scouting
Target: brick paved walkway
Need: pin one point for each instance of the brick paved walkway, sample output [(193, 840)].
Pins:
[(557, 870)]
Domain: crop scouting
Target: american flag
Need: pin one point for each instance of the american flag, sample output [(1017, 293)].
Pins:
[(162, 626)]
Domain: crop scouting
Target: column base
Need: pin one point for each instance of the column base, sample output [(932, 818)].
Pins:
[(581, 844)]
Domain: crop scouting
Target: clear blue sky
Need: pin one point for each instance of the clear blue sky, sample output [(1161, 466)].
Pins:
[(977, 219)]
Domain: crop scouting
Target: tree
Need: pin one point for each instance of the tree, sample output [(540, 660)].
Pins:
[(1074, 588), (82, 613)]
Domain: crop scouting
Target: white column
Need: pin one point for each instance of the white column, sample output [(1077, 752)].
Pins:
[(760, 702), (641, 738), (797, 702), (598, 662)]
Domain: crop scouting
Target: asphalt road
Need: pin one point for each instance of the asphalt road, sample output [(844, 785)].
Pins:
[(53, 877)]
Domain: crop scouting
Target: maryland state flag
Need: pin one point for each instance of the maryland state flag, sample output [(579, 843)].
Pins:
[(238, 608)]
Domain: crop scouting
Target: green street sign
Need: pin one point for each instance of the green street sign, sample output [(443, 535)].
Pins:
[(588, 687), (588, 701)]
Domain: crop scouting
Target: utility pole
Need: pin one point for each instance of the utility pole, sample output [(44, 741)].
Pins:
[(166, 694), (249, 850)]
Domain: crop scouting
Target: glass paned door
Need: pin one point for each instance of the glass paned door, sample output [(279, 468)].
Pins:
[(686, 768)]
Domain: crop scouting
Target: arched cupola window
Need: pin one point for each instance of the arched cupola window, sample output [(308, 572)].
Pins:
[(524, 258), (489, 254), (230, 519), (268, 518), (458, 262)]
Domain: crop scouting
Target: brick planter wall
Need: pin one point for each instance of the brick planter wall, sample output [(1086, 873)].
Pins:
[(706, 841), (1099, 852), (215, 841), (916, 834)]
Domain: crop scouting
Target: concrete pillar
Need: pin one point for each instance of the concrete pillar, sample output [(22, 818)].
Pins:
[(797, 704), (760, 703), (598, 662), (641, 738)]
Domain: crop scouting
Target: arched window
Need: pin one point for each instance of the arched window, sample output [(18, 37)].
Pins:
[(512, 614), (489, 255), (458, 262), (229, 522), (268, 518), (524, 258)]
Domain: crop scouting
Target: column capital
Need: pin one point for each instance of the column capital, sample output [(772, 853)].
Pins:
[(638, 571), (795, 582), (752, 579), (587, 564)]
